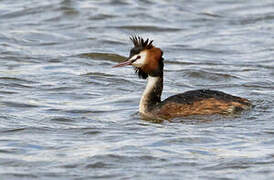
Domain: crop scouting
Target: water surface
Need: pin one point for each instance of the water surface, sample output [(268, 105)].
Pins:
[(66, 114)]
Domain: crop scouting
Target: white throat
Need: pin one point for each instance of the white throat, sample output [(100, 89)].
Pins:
[(151, 85)]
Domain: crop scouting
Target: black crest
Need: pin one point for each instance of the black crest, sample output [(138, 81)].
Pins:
[(141, 43)]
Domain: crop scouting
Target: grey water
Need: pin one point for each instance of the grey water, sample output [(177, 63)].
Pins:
[(66, 114)]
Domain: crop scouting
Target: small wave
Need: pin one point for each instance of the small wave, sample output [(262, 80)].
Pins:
[(103, 56), (208, 75), (16, 80), (149, 28), (18, 105)]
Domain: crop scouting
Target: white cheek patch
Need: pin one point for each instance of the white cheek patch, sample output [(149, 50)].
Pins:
[(134, 57), (141, 61)]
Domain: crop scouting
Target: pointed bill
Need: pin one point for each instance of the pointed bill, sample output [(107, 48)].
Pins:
[(126, 63)]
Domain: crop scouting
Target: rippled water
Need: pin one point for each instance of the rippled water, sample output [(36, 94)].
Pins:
[(66, 114)]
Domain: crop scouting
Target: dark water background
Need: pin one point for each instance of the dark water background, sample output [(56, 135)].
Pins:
[(66, 114)]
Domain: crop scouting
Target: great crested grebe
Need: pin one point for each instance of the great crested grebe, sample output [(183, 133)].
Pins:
[(148, 63)]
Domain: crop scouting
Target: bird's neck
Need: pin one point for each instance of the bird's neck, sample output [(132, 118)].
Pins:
[(152, 94)]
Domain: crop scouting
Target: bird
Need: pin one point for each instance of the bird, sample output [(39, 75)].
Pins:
[(148, 62)]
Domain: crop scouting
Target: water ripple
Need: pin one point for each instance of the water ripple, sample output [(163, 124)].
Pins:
[(65, 111)]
